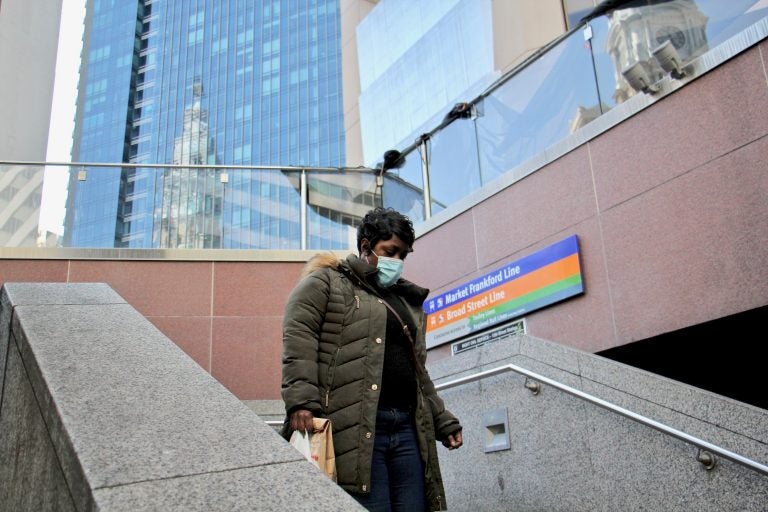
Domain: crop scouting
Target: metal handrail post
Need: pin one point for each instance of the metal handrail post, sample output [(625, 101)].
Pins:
[(303, 210), (425, 178)]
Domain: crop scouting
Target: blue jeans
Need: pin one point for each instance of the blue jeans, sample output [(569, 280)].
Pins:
[(397, 473)]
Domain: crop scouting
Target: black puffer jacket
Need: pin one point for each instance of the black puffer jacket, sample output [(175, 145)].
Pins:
[(333, 353)]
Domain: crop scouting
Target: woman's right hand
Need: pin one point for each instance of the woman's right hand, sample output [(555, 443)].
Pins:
[(301, 420)]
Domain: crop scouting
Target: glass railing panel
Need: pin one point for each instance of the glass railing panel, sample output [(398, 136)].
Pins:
[(92, 204), (181, 207), (404, 187), (144, 207), (21, 190), (187, 211), (727, 19), (336, 202), (136, 208), (540, 105), (454, 169), (261, 210), (53, 205), (627, 36)]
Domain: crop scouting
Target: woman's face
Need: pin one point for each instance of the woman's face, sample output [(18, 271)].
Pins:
[(392, 248)]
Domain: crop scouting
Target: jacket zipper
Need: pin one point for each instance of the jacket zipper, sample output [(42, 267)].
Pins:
[(357, 302), (331, 376)]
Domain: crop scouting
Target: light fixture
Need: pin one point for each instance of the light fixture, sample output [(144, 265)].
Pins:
[(393, 159), (639, 78), (669, 60), (461, 111)]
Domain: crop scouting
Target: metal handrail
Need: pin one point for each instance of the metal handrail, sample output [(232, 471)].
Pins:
[(287, 168), (700, 443), (704, 458)]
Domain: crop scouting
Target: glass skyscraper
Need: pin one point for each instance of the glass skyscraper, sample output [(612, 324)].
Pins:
[(202, 82)]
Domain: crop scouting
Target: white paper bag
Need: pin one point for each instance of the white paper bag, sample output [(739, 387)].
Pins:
[(300, 441)]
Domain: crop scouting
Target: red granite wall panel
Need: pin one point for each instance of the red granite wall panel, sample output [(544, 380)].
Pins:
[(247, 356), (585, 321), (34, 271), (692, 249), (548, 203), (191, 333), (718, 113), (442, 257), (154, 288), (250, 289)]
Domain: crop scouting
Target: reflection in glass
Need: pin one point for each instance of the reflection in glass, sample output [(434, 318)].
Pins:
[(634, 32), (628, 35), (404, 187), (261, 210), (539, 106), (337, 202), (190, 212), (21, 189), (454, 169)]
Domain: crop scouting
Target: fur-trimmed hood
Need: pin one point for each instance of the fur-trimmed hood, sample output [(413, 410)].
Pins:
[(321, 260)]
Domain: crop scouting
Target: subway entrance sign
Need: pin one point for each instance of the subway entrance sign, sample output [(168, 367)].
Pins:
[(543, 278)]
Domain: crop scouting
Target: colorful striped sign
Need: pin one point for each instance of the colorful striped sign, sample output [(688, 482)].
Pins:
[(550, 275)]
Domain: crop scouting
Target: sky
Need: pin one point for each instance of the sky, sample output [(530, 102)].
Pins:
[(62, 114)]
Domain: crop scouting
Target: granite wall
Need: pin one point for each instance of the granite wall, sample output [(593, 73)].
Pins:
[(567, 454), (101, 411), (210, 308)]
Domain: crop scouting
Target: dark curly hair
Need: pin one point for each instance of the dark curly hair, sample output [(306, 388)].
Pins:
[(381, 223)]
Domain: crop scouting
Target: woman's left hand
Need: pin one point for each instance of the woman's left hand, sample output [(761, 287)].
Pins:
[(453, 441)]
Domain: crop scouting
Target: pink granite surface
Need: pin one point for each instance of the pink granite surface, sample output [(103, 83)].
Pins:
[(191, 333), (155, 288), (247, 356), (35, 271), (247, 289), (550, 201), (719, 112), (693, 249), (443, 256)]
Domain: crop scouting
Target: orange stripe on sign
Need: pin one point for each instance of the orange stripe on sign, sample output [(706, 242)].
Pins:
[(513, 289)]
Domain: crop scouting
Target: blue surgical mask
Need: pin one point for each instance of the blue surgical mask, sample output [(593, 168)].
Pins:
[(389, 270)]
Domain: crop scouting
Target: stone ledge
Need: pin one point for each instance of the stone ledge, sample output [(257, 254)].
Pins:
[(131, 419)]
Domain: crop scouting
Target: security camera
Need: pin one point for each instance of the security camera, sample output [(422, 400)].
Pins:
[(638, 77), (669, 60)]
